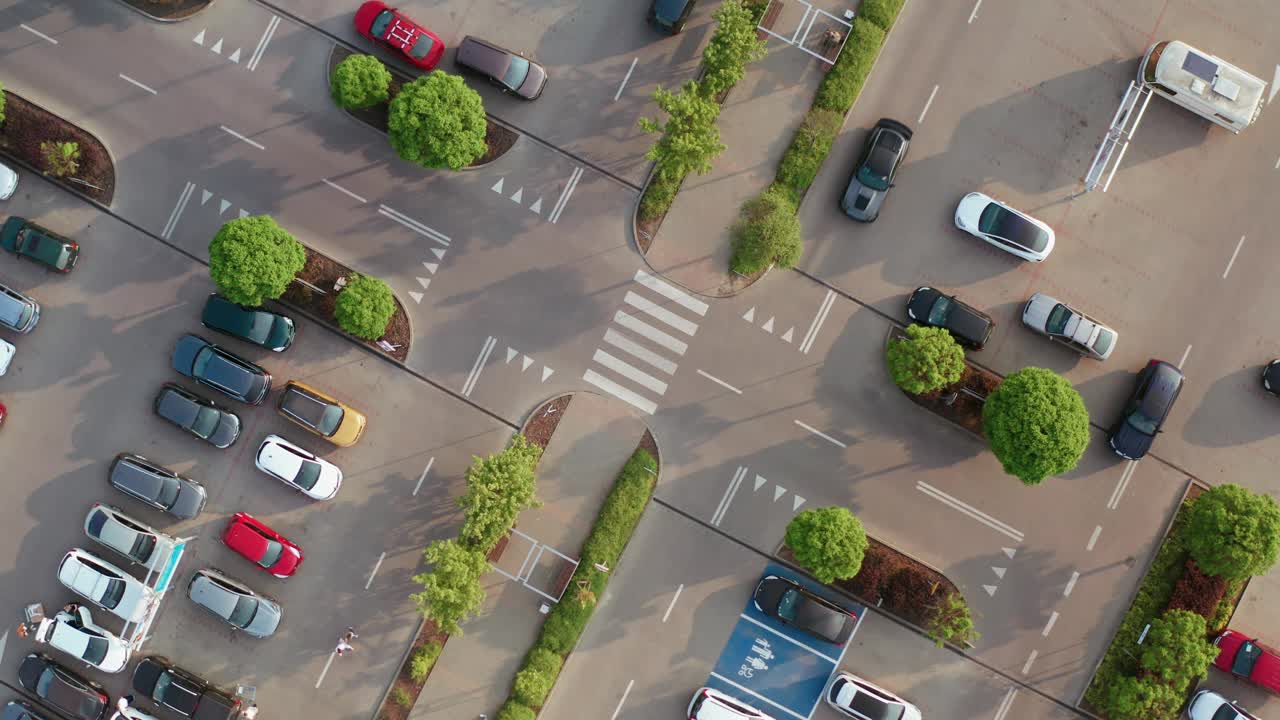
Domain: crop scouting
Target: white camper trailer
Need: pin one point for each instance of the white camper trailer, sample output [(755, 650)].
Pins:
[(1206, 85)]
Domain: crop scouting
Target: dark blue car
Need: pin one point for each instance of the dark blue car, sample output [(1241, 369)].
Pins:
[(225, 372), (1144, 413), (670, 15), (272, 331)]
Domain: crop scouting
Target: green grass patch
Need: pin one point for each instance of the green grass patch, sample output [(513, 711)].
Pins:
[(515, 711), (658, 196), (424, 658), (880, 13), (767, 231), (809, 148), (841, 87)]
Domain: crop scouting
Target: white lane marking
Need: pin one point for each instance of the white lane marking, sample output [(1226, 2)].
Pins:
[(131, 81), (821, 434), (672, 292), (1093, 539), (1121, 485), (37, 33), (178, 209), (1185, 353), (630, 372), (970, 510), (1026, 667), (619, 392), (376, 565), (622, 342), (718, 381), (650, 332), (4, 640), (1232, 261), (797, 643), (1277, 160), (758, 696), (1005, 704), (926, 105), (1048, 627), (342, 190), (818, 319), (974, 14), (564, 195), (481, 359), (675, 597), (325, 671), (422, 477), (235, 134), (625, 79), (622, 699), (267, 34), (1071, 584), (727, 498), (656, 311), (393, 214)]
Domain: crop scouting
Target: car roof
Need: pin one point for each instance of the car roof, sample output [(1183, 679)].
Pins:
[(241, 536), (11, 307), (304, 403), (212, 595), (177, 405), (279, 457), (885, 151), (1162, 387), (128, 474), (483, 56)]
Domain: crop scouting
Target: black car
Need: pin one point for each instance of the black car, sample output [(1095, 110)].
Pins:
[(62, 689), (18, 710), (198, 416), (185, 693), (1146, 409), (882, 154), (272, 331), (159, 487), (790, 603), (670, 15), (1271, 377), (510, 71), (968, 325), (225, 372)]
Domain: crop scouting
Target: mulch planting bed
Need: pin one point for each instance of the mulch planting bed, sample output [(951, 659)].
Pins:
[(951, 402), (323, 271), (393, 711), (544, 420), (169, 9), (498, 138), (26, 125)]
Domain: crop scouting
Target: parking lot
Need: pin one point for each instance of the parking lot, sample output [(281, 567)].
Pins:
[(80, 391)]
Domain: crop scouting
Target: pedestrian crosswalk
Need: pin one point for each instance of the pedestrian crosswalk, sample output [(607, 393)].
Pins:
[(644, 342)]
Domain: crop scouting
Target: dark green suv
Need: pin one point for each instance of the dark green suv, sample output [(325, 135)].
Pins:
[(253, 325), (27, 239)]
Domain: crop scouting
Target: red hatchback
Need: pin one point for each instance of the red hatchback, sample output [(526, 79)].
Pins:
[(265, 547), (388, 26), (1248, 659)]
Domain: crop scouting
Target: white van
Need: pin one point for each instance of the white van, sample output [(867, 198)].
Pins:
[(1206, 85)]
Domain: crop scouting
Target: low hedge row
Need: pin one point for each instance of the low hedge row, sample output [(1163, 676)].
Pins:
[(610, 533)]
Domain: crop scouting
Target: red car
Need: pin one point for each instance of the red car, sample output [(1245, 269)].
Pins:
[(267, 548), (388, 26), (2, 412), (1248, 659)]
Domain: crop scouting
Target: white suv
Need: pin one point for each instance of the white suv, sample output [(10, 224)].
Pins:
[(105, 585), (862, 700), (75, 634), (708, 704)]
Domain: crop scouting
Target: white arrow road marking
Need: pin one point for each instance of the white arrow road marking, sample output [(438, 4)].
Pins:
[(546, 373), (536, 207), (244, 213), (750, 315), (511, 353), (778, 491), (991, 590), (1275, 85), (438, 252), (217, 47), (497, 187), (235, 56), (768, 326), (760, 480), (222, 206), (999, 571), (417, 297), (199, 38), (796, 503), (204, 196), (518, 197), (1008, 552), (525, 363), (787, 335), (424, 282), (431, 267)]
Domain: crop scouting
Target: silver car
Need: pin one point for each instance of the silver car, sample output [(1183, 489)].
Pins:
[(236, 603), (133, 539), (1064, 324), (105, 585)]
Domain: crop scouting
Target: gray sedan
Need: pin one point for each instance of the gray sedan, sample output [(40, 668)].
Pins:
[(237, 604), (1064, 324), (198, 416), (882, 155)]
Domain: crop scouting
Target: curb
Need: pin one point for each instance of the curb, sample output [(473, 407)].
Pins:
[(404, 657), (61, 182), (159, 19)]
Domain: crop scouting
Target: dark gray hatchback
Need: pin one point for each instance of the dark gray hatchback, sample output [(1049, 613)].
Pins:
[(670, 15), (1158, 386), (272, 331), (221, 370), (161, 488), (510, 71), (198, 416)]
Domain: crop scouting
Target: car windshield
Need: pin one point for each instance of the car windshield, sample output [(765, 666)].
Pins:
[(114, 593), (272, 554), (1058, 317), (1226, 712), (206, 422), (1142, 423), (1105, 340), (380, 23), (516, 72), (162, 684), (787, 605), (246, 608), (940, 310), (44, 683), (421, 47), (873, 708), (868, 177), (168, 492), (25, 316), (201, 364), (1002, 223), (308, 473), (96, 651), (143, 544), (330, 419)]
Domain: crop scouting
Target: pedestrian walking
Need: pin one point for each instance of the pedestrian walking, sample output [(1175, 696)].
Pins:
[(350, 634), (343, 647)]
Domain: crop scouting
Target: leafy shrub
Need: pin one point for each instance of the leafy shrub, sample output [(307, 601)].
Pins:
[(424, 658), (841, 86), (951, 621), (621, 510), (359, 81), (828, 542), (498, 488), (808, 149), (1227, 605), (1037, 424), (534, 681), (659, 195), (364, 307), (1197, 592), (689, 138), (1129, 698), (1176, 650), (732, 47), (2, 99), (437, 121), (253, 259), (928, 359), (880, 13), (60, 158), (400, 696), (513, 710), (1233, 532), (767, 231), (877, 567), (451, 589), (909, 593)]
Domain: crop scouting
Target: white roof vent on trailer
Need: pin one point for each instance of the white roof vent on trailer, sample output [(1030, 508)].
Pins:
[(1198, 86), (1226, 88)]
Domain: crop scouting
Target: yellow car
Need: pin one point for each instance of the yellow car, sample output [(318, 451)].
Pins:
[(330, 419)]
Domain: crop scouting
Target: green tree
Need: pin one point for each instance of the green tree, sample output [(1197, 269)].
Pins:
[(364, 307), (498, 488), (1176, 650), (1037, 424), (253, 259), (690, 138), (451, 590), (951, 621), (767, 231), (1128, 698), (828, 542), (60, 158), (360, 81), (437, 121), (732, 47), (928, 359), (1233, 532), (2, 99)]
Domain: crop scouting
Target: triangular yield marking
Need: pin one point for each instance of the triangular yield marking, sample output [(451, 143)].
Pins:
[(431, 267), (217, 47), (511, 353), (768, 326), (759, 481), (1009, 552), (417, 296), (525, 363), (244, 213), (999, 571), (222, 206), (546, 373), (518, 196), (199, 38), (796, 503), (204, 196), (438, 252), (778, 492), (424, 282), (235, 56), (497, 187), (991, 590), (787, 335), (1275, 85), (751, 314), (537, 205)]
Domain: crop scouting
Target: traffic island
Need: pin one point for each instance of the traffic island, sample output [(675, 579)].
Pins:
[(168, 10), (27, 126), (414, 671), (961, 402)]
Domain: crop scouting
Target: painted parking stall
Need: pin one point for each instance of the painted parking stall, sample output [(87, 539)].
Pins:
[(777, 668)]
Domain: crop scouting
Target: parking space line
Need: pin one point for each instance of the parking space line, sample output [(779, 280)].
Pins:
[(974, 14), (625, 79), (821, 434), (376, 565), (235, 134), (718, 381), (1071, 584), (1185, 353), (178, 209), (1005, 704), (1121, 485), (481, 359), (1048, 627), (818, 319), (267, 34), (969, 510), (727, 498), (675, 597), (131, 81), (622, 699), (425, 470), (1232, 261), (563, 200), (393, 214), (1026, 667), (342, 190), (1093, 539), (37, 33), (757, 696), (325, 671), (797, 643), (926, 105)]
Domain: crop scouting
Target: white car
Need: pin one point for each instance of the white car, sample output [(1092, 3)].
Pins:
[(1012, 231), (709, 704), (7, 351), (132, 539), (314, 477), (8, 181), (75, 634), (1063, 323), (1209, 705), (105, 585), (859, 699)]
